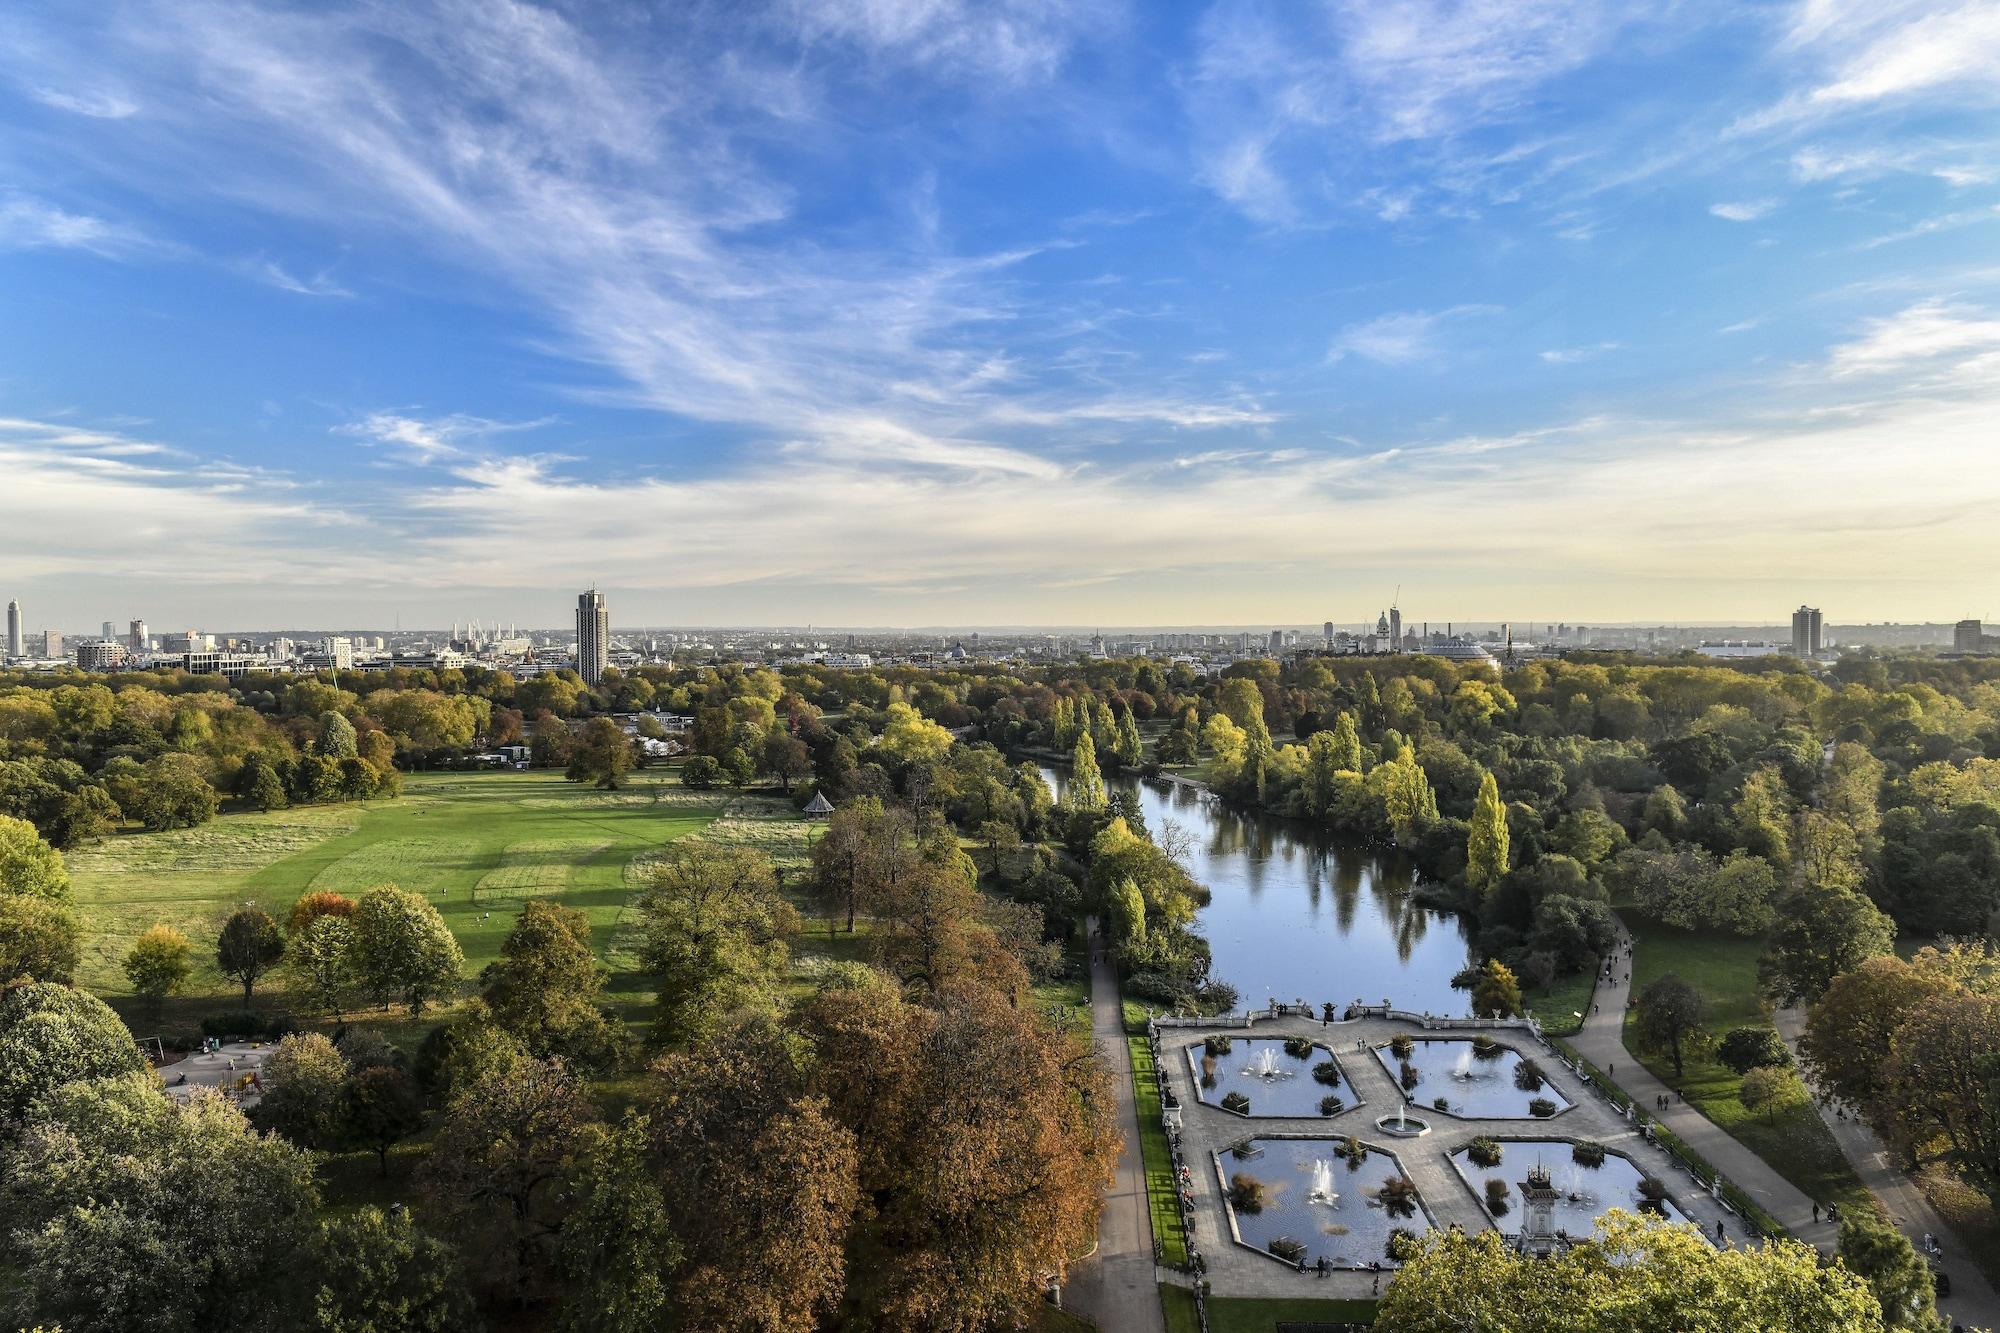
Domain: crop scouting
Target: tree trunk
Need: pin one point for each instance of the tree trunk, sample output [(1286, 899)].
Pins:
[(246, 992)]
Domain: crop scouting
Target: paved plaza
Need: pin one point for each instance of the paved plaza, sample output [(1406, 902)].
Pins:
[(234, 1070), (1207, 1130)]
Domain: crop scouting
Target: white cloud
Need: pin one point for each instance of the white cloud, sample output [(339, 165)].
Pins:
[(97, 105), (1400, 337), (1563, 356), (271, 272), (33, 224), (1747, 210), (1015, 41), (1922, 333), (426, 440)]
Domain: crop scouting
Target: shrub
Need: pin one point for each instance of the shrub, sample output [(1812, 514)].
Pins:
[(1236, 1102), (1289, 1250), (1299, 1048), (1588, 1153), (1485, 1048), (1652, 1195), (1353, 1150), (1541, 1108), (1483, 1151), (1403, 1245), (1441, 1104), (1331, 1104), (1745, 1049), (1401, 1046), (1409, 1075), (1496, 1196), (1208, 1071), (1327, 1072), (1216, 1045), (1246, 1193), (1528, 1076), (1399, 1196)]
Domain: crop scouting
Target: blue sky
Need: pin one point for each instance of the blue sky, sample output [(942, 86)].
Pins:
[(920, 311)]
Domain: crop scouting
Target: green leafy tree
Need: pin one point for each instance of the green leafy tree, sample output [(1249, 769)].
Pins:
[(28, 865), (1128, 749), (261, 786), (714, 931), (403, 948), (112, 1179), (336, 739), (159, 964), (377, 1272), (1496, 992), (545, 987), (1820, 934), (1486, 841), (1644, 1276), (40, 940), (1944, 1082), (171, 792), (305, 1091), (1670, 1017), (51, 1035), (499, 1173), (617, 1247), (249, 946), (321, 958), (1085, 793), (1745, 1049), (1772, 1089), (1899, 1276), (602, 755), (1128, 912), (384, 1107)]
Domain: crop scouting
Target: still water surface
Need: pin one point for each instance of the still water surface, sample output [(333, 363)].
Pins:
[(1299, 914)]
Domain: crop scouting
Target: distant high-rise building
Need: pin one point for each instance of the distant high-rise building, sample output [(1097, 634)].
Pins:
[(1326, 632), (138, 641), (14, 643), (1805, 631), (110, 632), (105, 656), (593, 636), (1277, 639), (49, 643), (1395, 630), (1968, 636)]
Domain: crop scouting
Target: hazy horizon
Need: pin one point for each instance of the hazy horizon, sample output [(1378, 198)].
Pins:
[(934, 312)]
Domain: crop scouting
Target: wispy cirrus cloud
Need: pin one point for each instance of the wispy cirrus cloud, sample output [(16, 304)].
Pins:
[(272, 273), (1924, 333), (35, 224), (1743, 210), (1401, 337)]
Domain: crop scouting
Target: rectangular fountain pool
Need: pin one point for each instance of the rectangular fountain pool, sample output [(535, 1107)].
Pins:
[(1277, 1082)]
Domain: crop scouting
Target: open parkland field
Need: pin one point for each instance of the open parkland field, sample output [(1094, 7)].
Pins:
[(477, 845)]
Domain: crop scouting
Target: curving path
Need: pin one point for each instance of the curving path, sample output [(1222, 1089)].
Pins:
[(1117, 1286), (1602, 1042), (1972, 1301)]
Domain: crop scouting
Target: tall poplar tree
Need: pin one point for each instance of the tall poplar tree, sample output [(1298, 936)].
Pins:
[(1086, 782), (1486, 843)]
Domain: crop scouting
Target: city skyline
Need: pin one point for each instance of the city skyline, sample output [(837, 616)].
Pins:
[(874, 314)]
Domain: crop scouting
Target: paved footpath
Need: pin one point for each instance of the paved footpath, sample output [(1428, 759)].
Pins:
[(1117, 1288), (1602, 1042), (1972, 1301)]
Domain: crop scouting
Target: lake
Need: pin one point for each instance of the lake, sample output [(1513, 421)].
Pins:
[(1300, 914)]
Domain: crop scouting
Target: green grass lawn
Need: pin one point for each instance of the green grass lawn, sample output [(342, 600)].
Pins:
[(477, 844), (1162, 1192), (1724, 969), (1558, 1005), (1238, 1314)]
